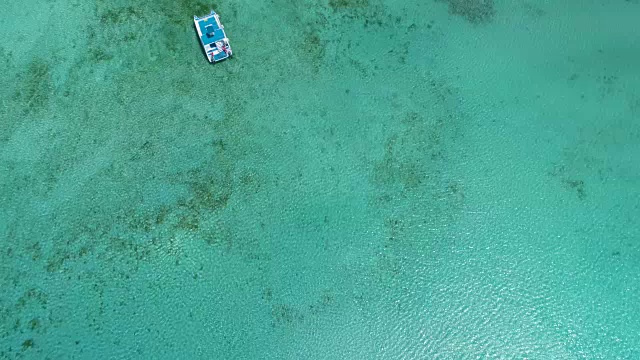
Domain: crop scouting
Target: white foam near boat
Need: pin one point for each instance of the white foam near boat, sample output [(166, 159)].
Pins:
[(212, 37)]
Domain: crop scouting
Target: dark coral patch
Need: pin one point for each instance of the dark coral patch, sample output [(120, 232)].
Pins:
[(36, 87), (395, 228), (210, 193), (474, 11), (313, 48), (348, 4), (120, 15), (98, 55), (578, 186), (27, 344), (178, 11), (283, 314), (364, 11)]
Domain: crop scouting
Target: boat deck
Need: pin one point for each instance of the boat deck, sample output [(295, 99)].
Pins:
[(210, 30)]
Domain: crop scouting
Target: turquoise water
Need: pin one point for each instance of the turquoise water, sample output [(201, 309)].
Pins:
[(365, 179)]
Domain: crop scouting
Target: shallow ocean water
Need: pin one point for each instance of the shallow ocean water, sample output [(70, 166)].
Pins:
[(453, 179)]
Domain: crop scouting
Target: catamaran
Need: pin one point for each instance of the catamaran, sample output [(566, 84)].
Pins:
[(212, 37)]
